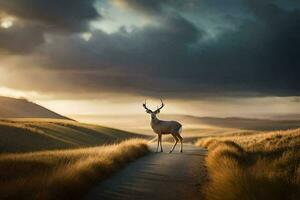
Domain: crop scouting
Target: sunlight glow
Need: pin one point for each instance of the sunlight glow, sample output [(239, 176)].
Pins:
[(6, 23), (87, 36), (9, 92), (104, 107)]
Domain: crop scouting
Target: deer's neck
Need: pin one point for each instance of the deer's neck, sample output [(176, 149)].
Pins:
[(154, 120)]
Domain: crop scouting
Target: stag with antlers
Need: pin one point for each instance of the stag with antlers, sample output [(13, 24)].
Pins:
[(161, 127)]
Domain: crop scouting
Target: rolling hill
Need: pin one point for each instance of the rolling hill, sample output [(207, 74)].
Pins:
[(26, 135), (22, 108), (26, 127)]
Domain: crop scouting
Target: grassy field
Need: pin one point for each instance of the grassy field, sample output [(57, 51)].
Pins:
[(264, 165), (26, 135), (63, 174)]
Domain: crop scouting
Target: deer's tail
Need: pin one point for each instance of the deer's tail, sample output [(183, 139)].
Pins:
[(180, 130)]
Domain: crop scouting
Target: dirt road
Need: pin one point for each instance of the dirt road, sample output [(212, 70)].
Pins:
[(157, 176)]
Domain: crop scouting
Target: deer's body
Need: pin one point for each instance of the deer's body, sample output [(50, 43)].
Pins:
[(161, 127), (165, 127)]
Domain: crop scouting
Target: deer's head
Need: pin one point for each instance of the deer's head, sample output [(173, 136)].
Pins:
[(153, 113)]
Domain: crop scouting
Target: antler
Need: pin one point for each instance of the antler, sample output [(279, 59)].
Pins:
[(162, 105), (145, 106)]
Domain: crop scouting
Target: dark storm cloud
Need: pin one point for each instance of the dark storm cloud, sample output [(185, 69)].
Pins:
[(139, 61), (262, 54), (66, 15), (176, 57), (20, 39), (156, 7), (150, 48), (34, 18)]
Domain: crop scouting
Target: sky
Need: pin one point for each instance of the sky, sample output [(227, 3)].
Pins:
[(203, 57)]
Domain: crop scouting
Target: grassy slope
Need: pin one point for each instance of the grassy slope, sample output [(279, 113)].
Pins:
[(254, 166), (25, 135), (63, 174)]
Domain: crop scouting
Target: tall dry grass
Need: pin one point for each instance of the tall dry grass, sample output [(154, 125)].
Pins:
[(256, 166), (63, 174)]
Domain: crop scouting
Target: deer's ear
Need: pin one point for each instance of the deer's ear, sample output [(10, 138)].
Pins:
[(148, 111), (157, 112)]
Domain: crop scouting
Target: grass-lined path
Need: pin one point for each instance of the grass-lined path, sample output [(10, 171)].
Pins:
[(157, 176)]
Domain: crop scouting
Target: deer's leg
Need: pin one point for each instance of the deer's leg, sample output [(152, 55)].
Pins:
[(161, 150), (180, 138), (176, 141), (157, 143)]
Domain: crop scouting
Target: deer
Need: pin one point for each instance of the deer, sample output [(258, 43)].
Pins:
[(161, 127)]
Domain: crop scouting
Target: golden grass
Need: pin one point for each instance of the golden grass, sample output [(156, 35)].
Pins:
[(63, 174), (27, 135), (265, 165)]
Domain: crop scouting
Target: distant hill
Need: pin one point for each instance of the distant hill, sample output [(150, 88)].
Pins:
[(237, 123), (26, 135), (141, 123), (22, 108)]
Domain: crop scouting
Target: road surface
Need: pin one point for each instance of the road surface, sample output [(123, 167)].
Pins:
[(157, 176)]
